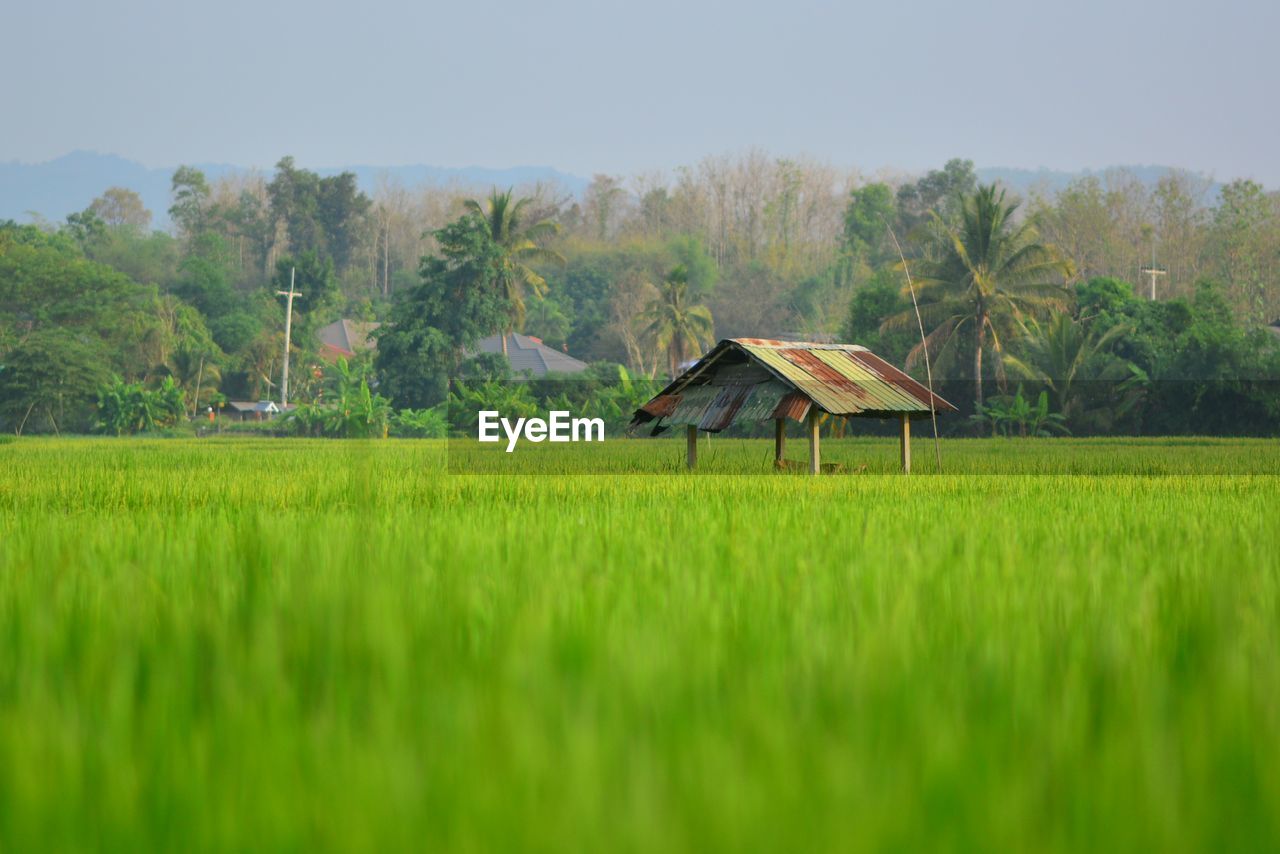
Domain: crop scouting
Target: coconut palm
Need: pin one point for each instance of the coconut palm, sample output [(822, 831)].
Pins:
[(196, 373), (521, 244), (988, 274), (673, 324)]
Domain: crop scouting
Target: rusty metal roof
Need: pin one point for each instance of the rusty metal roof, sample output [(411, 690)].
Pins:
[(776, 379)]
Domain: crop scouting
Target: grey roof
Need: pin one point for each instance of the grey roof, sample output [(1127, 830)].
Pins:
[(257, 406), (352, 336), (530, 354)]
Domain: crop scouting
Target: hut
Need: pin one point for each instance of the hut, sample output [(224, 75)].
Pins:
[(760, 379)]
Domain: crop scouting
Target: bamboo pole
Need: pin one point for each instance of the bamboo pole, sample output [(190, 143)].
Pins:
[(779, 439), (691, 457)]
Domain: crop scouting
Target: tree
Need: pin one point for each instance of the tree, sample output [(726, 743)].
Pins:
[(327, 216), (867, 217), (602, 202), (459, 300), (673, 324), (190, 193), (86, 229), (343, 212), (520, 245), (312, 276), (986, 274), (119, 207), (880, 297), (938, 193), (1072, 358), (49, 380), (196, 373), (1247, 242), (46, 284), (548, 320)]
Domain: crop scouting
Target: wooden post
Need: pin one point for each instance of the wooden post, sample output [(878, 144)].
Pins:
[(779, 439), (815, 454), (691, 458), (906, 444)]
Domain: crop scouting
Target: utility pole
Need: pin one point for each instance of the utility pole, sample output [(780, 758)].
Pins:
[(288, 329), (1153, 271)]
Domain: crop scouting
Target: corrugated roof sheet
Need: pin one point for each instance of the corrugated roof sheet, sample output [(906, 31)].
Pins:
[(842, 379)]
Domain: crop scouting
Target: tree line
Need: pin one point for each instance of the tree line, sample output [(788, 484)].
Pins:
[(644, 273)]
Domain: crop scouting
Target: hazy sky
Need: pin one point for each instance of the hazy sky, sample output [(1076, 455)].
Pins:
[(622, 87)]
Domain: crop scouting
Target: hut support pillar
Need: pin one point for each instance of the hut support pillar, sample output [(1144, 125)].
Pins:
[(779, 439), (815, 453), (691, 457), (906, 444)]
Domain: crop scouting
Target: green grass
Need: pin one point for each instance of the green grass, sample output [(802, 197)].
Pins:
[(289, 644)]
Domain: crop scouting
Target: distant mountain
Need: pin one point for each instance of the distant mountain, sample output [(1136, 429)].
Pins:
[(68, 184), (1024, 181)]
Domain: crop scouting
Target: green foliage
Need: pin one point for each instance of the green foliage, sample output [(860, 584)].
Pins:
[(1088, 384), (313, 276), (86, 229), (1007, 416), (941, 191), (867, 217), (421, 423), (129, 408), (348, 408), (468, 397), (699, 268), (604, 390), (66, 323), (205, 278), (149, 257), (324, 217), (1202, 372), (459, 300), (49, 380), (486, 366), (549, 319), (882, 296)]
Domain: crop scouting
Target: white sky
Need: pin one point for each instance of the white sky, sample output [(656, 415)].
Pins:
[(620, 87)]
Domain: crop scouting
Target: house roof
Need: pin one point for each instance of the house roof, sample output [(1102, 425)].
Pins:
[(526, 353), (258, 406), (761, 379), (346, 337)]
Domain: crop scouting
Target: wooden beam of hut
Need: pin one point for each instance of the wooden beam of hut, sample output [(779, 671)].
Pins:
[(815, 453), (905, 444)]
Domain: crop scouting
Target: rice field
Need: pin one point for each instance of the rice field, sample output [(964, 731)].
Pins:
[(288, 644)]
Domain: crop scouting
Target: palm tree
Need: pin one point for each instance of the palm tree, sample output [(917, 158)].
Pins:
[(988, 273), (196, 372), (1066, 354), (521, 244), (673, 324)]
